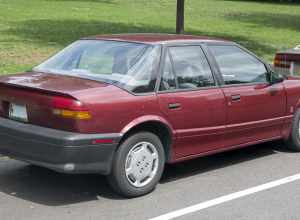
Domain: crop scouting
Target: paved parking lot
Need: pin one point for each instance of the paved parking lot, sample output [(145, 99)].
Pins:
[(29, 193)]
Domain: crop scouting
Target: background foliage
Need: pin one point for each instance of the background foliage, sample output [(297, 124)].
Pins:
[(32, 30)]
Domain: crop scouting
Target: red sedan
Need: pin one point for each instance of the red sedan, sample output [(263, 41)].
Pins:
[(124, 105)]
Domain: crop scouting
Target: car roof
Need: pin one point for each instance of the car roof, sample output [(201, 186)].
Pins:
[(155, 38)]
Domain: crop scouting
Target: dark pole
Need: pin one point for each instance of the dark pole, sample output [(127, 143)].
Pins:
[(180, 17)]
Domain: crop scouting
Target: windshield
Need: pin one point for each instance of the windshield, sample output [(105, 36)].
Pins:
[(128, 65)]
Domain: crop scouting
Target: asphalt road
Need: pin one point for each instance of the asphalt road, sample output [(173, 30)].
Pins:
[(32, 193)]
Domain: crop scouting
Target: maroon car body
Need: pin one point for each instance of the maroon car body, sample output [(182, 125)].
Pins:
[(189, 122)]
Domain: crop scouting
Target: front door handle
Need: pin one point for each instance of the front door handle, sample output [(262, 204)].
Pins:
[(236, 98), (174, 105)]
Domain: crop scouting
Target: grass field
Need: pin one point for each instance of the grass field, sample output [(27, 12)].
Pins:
[(31, 30)]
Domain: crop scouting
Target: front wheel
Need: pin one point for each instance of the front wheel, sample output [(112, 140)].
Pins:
[(293, 143), (138, 165)]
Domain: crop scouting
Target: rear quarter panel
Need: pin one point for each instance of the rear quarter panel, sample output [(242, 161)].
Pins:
[(116, 111)]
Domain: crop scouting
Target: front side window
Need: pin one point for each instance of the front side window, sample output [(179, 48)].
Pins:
[(238, 66), (191, 67), (125, 64)]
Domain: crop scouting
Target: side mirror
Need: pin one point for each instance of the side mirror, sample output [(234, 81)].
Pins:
[(275, 77)]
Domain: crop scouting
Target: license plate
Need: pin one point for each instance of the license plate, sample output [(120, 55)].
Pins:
[(18, 112)]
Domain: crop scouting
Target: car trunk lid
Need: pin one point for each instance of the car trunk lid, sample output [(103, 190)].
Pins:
[(50, 83), (42, 97)]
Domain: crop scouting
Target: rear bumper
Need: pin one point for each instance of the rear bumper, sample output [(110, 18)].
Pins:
[(61, 151)]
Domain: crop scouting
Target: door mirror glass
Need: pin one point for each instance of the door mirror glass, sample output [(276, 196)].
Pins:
[(275, 77)]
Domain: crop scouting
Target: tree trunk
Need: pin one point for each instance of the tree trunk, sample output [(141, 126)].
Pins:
[(180, 17)]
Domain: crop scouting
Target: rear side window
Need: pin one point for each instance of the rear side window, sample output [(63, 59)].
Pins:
[(190, 67), (237, 66)]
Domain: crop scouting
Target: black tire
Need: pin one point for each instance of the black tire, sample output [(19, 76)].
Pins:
[(118, 179), (293, 143)]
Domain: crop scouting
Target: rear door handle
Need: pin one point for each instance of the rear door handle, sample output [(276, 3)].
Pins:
[(174, 105), (236, 98)]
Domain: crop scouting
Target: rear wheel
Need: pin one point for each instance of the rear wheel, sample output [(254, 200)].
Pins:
[(138, 165), (293, 143)]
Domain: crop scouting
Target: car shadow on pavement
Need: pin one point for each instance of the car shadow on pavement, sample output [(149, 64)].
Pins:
[(221, 160), (46, 187)]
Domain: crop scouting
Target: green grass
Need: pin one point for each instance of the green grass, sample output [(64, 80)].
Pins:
[(31, 30)]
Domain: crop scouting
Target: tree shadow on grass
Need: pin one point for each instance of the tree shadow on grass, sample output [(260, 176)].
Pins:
[(260, 48), (85, 1), (62, 32), (277, 2), (280, 21)]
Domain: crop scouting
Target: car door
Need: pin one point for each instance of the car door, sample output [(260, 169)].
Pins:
[(255, 108), (191, 100)]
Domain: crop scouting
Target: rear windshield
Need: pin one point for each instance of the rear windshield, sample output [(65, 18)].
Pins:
[(125, 64)]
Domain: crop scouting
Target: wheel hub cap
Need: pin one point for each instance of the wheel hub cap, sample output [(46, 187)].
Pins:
[(141, 164)]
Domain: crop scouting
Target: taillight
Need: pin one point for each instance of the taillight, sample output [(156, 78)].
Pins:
[(281, 61), (69, 108), (80, 115)]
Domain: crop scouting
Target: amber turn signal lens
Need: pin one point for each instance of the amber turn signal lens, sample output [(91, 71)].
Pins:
[(277, 62), (79, 115)]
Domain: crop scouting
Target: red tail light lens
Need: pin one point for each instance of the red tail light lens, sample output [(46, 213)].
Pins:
[(280, 61), (69, 108), (66, 103)]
